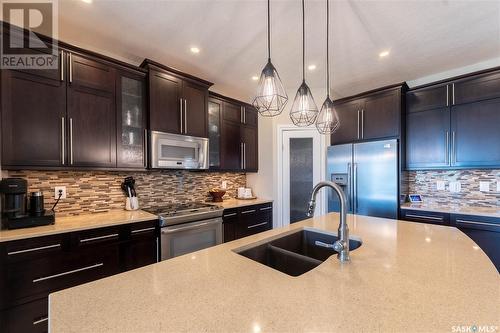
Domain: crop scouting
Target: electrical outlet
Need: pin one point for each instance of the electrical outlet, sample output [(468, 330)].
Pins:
[(484, 186), (440, 185), (224, 185), (455, 187), (57, 191)]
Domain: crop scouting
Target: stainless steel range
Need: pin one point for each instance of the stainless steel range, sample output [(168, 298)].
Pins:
[(188, 227)]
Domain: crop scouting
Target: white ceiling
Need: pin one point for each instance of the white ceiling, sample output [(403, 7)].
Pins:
[(424, 38)]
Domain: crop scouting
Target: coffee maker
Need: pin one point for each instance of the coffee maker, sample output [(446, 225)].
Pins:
[(15, 213)]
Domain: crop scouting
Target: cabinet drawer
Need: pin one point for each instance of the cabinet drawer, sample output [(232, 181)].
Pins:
[(27, 318), (428, 98), (34, 248), (425, 217), (93, 237), (52, 273), (476, 222), (476, 88)]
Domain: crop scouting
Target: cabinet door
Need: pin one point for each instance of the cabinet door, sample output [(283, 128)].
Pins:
[(91, 113), (164, 102), (33, 112), (232, 112), (214, 132), (475, 134), (427, 138), (195, 109), (131, 121), (381, 115), (251, 116), (142, 248), (250, 148), (429, 98), (27, 318), (348, 130), (231, 146), (476, 88), (230, 221)]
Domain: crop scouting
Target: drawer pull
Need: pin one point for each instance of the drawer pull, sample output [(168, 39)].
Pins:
[(85, 240), (34, 249), (267, 208), (229, 215), (248, 211), (142, 230), (40, 321), (434, 218), (68, 272), (256, 225), (479, 223)]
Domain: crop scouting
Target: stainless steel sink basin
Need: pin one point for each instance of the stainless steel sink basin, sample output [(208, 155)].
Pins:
[(296, 253)]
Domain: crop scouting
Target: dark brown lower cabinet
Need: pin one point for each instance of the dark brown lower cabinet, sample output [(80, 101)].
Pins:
[(246, 221), (425, 217), (31, 269)]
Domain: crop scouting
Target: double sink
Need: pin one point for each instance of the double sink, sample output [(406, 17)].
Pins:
[(296, 253)]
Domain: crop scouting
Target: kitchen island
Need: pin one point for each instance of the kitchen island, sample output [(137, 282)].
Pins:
[(405, 277)]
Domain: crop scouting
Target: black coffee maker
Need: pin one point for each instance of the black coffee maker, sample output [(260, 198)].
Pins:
[(15, 213)]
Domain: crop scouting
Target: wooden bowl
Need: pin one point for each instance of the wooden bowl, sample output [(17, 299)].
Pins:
[(217, 195)]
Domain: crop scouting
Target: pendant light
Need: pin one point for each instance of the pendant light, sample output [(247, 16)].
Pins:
[(271, 97), (304, 110), (328, 118)]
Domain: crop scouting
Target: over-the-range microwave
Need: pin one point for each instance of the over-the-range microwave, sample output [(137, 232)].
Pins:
[(173, 151)]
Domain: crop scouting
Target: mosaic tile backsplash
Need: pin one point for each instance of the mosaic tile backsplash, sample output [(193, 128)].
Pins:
[(100, 191), (425, 183)]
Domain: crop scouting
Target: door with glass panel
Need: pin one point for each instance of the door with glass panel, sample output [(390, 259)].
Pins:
[(301, 170)]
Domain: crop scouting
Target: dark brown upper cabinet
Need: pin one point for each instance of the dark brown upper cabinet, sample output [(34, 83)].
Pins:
[(91, 113), (131, 120), (371, 115), (238, 141), (72, 116), (178, 102), (454, 124), (214, 132)]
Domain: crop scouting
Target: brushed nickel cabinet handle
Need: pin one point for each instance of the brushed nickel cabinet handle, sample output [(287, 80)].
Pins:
[(446, 148), (229, 215), (185, 117), (68, 272), (478, 223), (241, 156), (447, 95), (62, 65), (256, 225), (362, 124), (453, 93), (86, 240), (248, 211), (70, 68), (40, 321), (63, 148), (453, 149), (180, 110), (71, 140), (266, 208), (33, 249), (244, 155), (142, 230), (434, 218), (358, 124)]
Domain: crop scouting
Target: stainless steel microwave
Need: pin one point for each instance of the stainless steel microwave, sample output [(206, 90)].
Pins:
[(173, 151)]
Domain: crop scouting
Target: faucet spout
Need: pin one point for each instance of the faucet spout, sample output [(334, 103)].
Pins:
[(342, 244)]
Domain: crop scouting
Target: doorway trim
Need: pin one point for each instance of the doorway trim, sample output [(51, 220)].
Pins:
[(281, 129)]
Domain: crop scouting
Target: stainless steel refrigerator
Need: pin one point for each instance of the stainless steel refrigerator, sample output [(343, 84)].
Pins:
[(368, 173)]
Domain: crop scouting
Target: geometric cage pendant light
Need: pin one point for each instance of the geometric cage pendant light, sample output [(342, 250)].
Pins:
[(304, 110), (271, 98), (328, 118)]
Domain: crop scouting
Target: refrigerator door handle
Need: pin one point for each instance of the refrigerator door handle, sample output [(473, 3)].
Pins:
[(355, 188), (349, 187)]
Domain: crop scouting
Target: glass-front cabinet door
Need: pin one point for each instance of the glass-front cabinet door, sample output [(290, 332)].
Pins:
[(131, 131), (214, 131)]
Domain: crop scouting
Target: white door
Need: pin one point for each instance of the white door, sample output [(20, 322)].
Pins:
[(302, 163)]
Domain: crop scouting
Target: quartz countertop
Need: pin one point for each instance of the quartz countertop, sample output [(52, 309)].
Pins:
[(235, 203), (406, 277), (78, 222), (442, 208)]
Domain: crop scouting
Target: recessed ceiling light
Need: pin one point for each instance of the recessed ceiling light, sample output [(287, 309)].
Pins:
[(87, 1), (311, 67), (383, 54), (195, 50), (255, 77)]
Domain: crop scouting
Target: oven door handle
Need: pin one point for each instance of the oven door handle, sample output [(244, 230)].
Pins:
[(169, 230)]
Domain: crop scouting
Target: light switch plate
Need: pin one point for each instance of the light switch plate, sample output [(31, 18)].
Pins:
[(224, 185), (455, 187), (484, 186), (440, 185)]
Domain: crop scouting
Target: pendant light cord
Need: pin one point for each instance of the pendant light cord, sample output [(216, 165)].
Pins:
[(269, 30), (327, 61), (303, 42)]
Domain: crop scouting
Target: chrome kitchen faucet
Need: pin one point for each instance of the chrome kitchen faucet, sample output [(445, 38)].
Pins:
[(342, 244)]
